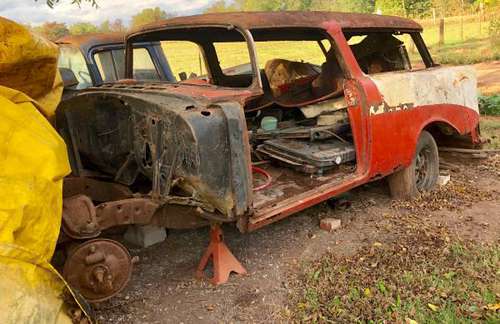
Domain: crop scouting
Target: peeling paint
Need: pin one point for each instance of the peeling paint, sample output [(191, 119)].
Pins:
[(439, 85)]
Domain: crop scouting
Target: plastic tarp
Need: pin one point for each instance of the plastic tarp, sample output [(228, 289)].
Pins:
[(33, 163)]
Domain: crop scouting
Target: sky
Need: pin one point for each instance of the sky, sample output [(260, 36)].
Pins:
[(36, 12)]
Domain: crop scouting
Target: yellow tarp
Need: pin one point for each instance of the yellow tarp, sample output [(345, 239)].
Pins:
[(33, 162)]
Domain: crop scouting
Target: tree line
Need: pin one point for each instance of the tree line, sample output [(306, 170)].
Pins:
[(54, 30), (406, 8)]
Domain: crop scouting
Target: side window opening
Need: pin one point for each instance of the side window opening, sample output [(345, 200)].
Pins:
[(379, 52), (298, 71), (111, 65), (106, 66), (72, 58), (144, 68), (185, 59)]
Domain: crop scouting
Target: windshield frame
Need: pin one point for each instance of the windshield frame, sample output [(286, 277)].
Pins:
[(143, 36)]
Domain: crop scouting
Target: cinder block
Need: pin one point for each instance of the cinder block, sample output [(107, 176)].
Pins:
[(329, 224), (145, 235)]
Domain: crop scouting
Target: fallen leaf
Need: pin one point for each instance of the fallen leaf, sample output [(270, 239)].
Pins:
[(410, 321), (433, 308), (493, 307), (368, 292)]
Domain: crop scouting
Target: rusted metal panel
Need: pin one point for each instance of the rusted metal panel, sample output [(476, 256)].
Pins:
[(79, 219), (87, 41), (97, 190), (128, 211), (310, 19)]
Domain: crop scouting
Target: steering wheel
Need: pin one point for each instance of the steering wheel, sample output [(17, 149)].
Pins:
[(85, 76)]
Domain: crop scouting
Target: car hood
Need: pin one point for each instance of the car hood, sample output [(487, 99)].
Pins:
[(206, 94)]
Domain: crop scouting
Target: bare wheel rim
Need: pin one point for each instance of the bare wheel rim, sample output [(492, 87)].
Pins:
[(423, 168)]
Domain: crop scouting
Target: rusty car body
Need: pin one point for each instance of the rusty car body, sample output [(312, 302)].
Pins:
[(260, 143)]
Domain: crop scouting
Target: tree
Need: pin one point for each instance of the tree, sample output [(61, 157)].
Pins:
[(221, 6), (411, 8), (52, 30), (51, 3), (117, 26), (305, 5), (274, 5), (105, 26), (83, 28), (365, 6), (149, 15)]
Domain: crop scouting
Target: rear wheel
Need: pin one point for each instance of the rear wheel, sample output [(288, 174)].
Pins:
[(421, 175)]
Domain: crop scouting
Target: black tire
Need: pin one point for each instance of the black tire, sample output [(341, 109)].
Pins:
[(421, 175)]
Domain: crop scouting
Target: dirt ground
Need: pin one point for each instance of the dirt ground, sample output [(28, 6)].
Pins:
[(163, 288), (488, 74)]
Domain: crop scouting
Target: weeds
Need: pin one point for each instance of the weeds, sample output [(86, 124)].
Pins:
[(489, 105), (422, 277)]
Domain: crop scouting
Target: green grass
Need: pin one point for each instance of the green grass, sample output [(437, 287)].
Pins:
[(421, 277)]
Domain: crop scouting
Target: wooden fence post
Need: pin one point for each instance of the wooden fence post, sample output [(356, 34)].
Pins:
[(441, 31)]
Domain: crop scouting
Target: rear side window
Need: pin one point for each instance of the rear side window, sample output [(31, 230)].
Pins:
[(111, 65), (379, 52)]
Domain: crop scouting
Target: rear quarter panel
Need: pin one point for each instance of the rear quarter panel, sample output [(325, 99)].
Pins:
[(413, 100)]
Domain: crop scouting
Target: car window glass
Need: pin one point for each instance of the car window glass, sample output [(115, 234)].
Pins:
[(119, 59), (71, 58), (106, 66), (144, 68), (185, 59)]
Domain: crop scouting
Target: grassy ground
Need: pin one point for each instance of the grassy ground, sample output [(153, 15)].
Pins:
[(490, 129), (422, 274), (471, 52), (423, 278), (472, 30)]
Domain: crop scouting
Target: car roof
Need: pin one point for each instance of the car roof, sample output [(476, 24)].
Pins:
[(308, 19), (87, 41)]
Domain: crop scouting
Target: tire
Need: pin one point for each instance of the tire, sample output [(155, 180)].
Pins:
[(421, 175)]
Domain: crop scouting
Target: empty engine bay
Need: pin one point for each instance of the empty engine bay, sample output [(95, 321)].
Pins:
[(296, 149)]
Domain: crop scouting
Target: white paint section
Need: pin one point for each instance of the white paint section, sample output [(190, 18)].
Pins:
[(438, 85)]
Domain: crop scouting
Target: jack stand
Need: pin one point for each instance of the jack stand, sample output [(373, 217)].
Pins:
[(224, 262)]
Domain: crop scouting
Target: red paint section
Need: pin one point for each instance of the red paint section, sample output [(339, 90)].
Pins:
[(394, 135)]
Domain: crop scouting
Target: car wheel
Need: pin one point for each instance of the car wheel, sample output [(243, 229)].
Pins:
[(421, 175)]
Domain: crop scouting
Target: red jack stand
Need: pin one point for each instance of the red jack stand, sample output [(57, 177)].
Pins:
[(224, 262)]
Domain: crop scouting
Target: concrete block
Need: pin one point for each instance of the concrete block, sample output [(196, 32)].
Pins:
[(443, 180), (145, 235), (329, 224)]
